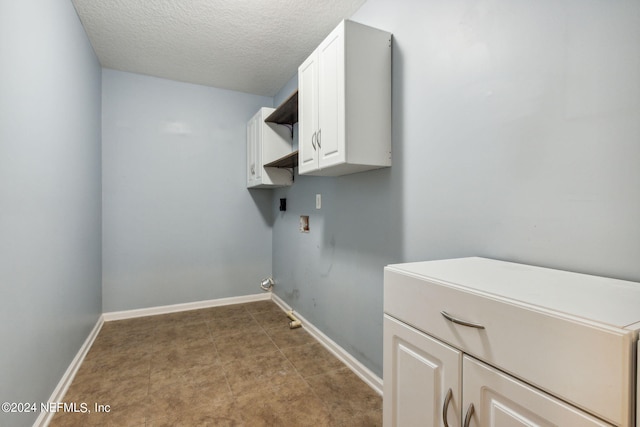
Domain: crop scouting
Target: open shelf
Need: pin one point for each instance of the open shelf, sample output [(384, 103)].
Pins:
[(289, 161), (286, 113)]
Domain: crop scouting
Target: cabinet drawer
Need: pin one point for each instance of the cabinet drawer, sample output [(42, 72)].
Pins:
[(585, 363)]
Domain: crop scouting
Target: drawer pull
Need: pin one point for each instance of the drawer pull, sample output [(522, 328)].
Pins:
[(467, 418), (445, 407), (460, 321)]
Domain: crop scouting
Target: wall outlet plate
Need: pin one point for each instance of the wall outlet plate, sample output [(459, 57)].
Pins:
[(318, 201)]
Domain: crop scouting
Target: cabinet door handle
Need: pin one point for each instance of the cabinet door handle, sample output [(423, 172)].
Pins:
[(318, 138), (312, 141), (460, 321), (467, 418), (445, 408)]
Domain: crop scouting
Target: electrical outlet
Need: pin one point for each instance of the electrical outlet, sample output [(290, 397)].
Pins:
[(318, 201)]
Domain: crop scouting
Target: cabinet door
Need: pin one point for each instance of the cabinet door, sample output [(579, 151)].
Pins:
[(422, 379), (502, 401), (308, 114), (331, 99), (252, 147)]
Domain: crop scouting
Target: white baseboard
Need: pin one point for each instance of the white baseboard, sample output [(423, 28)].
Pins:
[(280, 302), (174, 308), (44, 418), (365, 374)]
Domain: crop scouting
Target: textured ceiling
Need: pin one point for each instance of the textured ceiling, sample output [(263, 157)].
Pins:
[(252, 46)]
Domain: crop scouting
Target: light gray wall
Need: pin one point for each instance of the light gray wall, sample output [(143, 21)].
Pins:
[(50, 241), (179, 224), (516, 136), (521, 130)]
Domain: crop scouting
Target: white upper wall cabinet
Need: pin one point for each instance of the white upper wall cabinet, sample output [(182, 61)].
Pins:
[(345, 102), (267, 142)]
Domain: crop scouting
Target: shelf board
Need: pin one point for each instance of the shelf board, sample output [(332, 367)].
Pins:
[(289, 161), (287, 112)]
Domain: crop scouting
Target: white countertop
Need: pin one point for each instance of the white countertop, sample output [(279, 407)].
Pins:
[(610, 301)]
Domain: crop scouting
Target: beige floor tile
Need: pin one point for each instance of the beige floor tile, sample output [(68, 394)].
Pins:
[(312, 359), (272, 319), (195, 376), (237, 365), (347, 397), (134, 389), (63, 419), (218, 414), (124, 415), (262, 306), (223, 326), (131, 414), (115, 360), (183, 335), (176, 401), (243, 345), (225, 311), (122, 341), (137, 324), (266, 371), (285, 337), (176, 356), (109, 391), (177, 328), (181, 317), (288, 406), (97, 383), (371, 418), (84, 392)]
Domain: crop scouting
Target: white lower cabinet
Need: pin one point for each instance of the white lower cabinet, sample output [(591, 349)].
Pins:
[(494, 399), (423, 381), (474, 342), (429, 383)]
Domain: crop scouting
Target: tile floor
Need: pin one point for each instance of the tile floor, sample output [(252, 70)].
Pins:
[(236, 365)]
